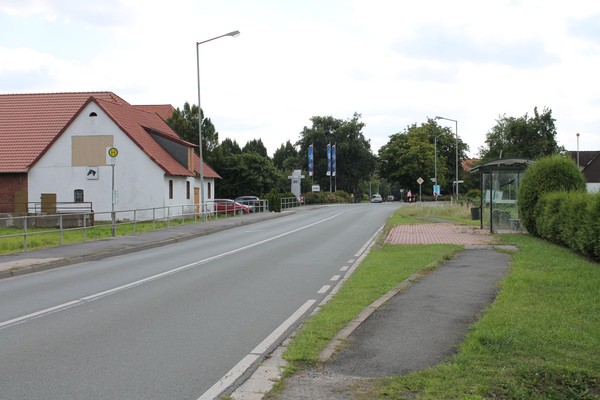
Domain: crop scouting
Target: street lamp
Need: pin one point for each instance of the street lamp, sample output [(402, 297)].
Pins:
[(232, 34), (435, 159), (578, 151), (456, 130)]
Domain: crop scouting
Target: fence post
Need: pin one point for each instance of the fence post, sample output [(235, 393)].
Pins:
[(60, 227), (84, 225), (134, 221), (25, 233), (153, 218)]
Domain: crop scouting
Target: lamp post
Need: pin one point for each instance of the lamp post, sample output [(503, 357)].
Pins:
[(232, 34), (456, 130), (578, 151), (435, 159)]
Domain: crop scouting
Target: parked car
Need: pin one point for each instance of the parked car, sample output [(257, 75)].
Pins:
[(228, 206), (390, 197), (376, 198), (251, 201)]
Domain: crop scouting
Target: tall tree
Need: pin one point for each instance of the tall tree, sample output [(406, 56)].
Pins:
[(522, 137), (185, 122), (255, 146), (286, 157), (246, 173), (355, 161), (410, 155)]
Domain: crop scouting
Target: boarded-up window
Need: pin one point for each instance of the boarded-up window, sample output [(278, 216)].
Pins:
[(90, 150)]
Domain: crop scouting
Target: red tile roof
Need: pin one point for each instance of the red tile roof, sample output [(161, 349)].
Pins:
[(163, 110), (30, 123)]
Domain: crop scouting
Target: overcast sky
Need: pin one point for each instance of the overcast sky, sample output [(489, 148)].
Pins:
[(394, 62)]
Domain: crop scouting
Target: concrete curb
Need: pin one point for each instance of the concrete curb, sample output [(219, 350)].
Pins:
[(38, 265)]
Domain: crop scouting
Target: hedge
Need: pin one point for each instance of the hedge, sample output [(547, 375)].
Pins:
[(571, 219)]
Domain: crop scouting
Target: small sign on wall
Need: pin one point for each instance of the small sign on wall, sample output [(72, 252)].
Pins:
[(92, 172)]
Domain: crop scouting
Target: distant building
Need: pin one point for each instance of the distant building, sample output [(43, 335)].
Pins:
[(589, 164), (56, 143)]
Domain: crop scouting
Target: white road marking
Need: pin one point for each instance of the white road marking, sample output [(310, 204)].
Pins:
[(241, 367), (109, 292), (335, 277), (324, 289), (345, 268)]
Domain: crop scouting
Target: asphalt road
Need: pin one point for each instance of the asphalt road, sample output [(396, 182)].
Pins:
[(183, 321)]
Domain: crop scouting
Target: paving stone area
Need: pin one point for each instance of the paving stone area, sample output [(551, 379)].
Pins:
[(444, 233)]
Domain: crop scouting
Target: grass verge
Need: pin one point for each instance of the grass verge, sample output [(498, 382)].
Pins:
[(540, 339), (382, 270)]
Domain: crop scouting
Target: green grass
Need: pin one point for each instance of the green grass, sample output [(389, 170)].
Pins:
[(38, 238), (381, 271), (540, 339), (421, 214)]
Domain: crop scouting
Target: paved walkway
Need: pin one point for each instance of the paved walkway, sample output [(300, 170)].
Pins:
[(415, 326)]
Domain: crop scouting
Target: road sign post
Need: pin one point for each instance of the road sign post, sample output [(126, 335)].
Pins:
[(111, 159), (420, 182)]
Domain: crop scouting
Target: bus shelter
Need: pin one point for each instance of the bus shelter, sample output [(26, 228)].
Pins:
[(499, 182)]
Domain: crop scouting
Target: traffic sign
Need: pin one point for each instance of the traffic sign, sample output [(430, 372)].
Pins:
[(420, 181), (111, 155)]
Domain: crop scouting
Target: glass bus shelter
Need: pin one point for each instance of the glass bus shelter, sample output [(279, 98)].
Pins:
[(499, 183)]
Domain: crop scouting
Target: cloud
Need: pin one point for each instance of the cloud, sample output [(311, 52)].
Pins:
[(105, 13), (451, 45)]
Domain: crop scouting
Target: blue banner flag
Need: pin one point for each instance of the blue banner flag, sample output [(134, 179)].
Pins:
[(333, 163), (310, 160), (328, 159)]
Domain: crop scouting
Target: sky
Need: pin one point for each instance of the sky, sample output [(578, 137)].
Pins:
[(394, 62)]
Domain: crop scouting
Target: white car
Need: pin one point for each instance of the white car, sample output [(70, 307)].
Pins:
[(376, 198)]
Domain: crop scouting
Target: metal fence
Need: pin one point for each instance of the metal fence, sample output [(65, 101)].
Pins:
[(91, 225)]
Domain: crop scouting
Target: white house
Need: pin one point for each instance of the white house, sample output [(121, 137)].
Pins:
[(58, 146)]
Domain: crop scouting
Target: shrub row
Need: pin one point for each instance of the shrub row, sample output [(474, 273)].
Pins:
[(327, 197), (571, 219)]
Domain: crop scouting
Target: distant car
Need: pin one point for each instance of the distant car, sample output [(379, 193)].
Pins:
[(376, 198), (251, 201), (228, 206), (390, 197)]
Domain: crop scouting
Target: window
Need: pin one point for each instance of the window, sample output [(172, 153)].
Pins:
[(170, 188), (209, 191), (78, 195), (187, 190)]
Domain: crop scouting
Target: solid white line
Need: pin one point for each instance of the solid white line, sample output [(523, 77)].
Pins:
[(324, 289), (345, 268), (229, 377), (254, 355), (269, 340), (335, 277), (38, 313), (108, 292)]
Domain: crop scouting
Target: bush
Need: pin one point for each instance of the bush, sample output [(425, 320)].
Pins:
[(326, 197), (548, 174), (571, 219), (274, 201)]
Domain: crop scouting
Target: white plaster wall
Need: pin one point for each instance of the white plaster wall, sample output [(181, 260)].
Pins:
[(140, 182), (593, 187)]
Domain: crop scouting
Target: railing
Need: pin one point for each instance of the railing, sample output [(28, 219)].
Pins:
[(44, 230), (290, 202)]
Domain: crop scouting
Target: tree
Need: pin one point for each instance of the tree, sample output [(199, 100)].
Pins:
[(286, 157), (255, 146), (522, 137), (410, 155), (246, 173), (185, 123), (355, 161)]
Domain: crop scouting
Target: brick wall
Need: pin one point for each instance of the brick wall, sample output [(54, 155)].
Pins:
[(9, 185)]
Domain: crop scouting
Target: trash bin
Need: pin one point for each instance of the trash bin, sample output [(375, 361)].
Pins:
[(474, 213)]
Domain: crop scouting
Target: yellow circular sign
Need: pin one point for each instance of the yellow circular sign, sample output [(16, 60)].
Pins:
[(113, 152)]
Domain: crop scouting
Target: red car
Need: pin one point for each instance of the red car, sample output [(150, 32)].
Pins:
[(227, 206)]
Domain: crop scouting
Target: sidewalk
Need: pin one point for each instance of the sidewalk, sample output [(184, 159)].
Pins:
[(415, 326), (53, 257)]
